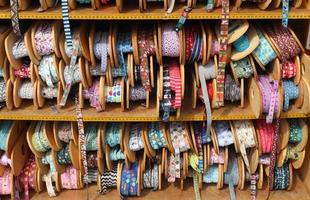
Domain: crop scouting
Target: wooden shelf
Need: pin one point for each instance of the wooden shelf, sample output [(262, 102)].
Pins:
[(155, 12), (209, 192), (137, 113)]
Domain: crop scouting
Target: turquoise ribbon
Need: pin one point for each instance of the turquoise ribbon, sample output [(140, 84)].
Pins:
[(5, 127)]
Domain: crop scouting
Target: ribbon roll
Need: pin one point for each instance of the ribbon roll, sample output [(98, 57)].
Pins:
[(291, 92), (223, 133), (27, 176), (156, 136), (135, 137), (170, 43), (5, 127), (150, 177), (25, 90), (43, 40), (39, 140), (232, 90), (69, 178), (108, 179), (47, 70), (129, 180), (101, 50), (282, 177), (92, 94)]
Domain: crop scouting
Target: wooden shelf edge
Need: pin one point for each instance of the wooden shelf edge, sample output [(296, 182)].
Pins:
[(111, 13)]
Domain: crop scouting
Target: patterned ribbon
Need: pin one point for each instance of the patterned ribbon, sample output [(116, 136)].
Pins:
[(198, 140), (193, 43), (129, 180), (243, 68), (14, 17), (64, 132), (232, 90), (220, 78), (150, 177), (137, 93), (39, 140), (285, 11), (199, 129), (108, 179), (175, 83), (291, 92), (63, 156), (289, 70), (47, 70), (92, 94), (25, 90), (135, 138), (170, 40), (101, 49), (211, 176), (223, 133), (113, 134), (43, 40), (146, 48), (23, 71), (245, 136), (5, 127), (123, 46), (2, 90), (165, 104), (113, 94), (26, 177), (69, 178), (5, 182), (270, 96), (282, 177), (296, 135), (156, 136), (19, 49)]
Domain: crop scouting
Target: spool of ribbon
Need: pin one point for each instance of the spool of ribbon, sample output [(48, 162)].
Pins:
[(265, 133), (69, 178), (264, 51), (175, 83), (72, 76), (292, 153), (193, 43), (291, 92), (43, 39), (282, 177), (39, 140), (91, 140), (50, 176), (146, 47), (245, 134), (92, 94), (223, 133), (101, 49), (108, 179), (285, 41), (289, 70), (135, 137), (113, 93), (5, 127), (231, 176), (23, 71), (296, 135), (27, 177), (174, 167), (178, 137), (19, 49), (198, 141), (156, 135), (69, 47), (211, 176), (64, 132), (129, 180), (25, 90), (63, 156), (49, 92), (270, 96), (47, 70), (137, 93), (116, 154), (91, 176), (165, 104), (123, 46), (243, 68), (217, 158), (151, 177), (170, 43), (200, 129), (232, 90), (113, 134), (91, 160)]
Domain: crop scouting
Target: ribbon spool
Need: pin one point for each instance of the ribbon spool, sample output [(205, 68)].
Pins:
[(44, 93), (245, 138), (144, 54), (195, 43), (243, 69), (65, 132), (137, 93), (256, 99), (17, 48), (80, 40), (232, 91), (171, 171), (222, 135), (112, 137), (132, 175), (286, 43), (45, 131), (264, 53), (151, 177), (265, 133), (47, 70), (73, 4), (155, 137), (22, 89), (100, 46), (78, 73), (71, 179), (283, 177), (109, 93), (45, 39), (210, 69), (232, 174), (25, 71), (107, 179), (93, 143), (93, 95), (214, 174), (295, 157)]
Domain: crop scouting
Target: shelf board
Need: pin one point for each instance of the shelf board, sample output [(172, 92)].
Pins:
[(109, 12), (171, 191), (137, 113)]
